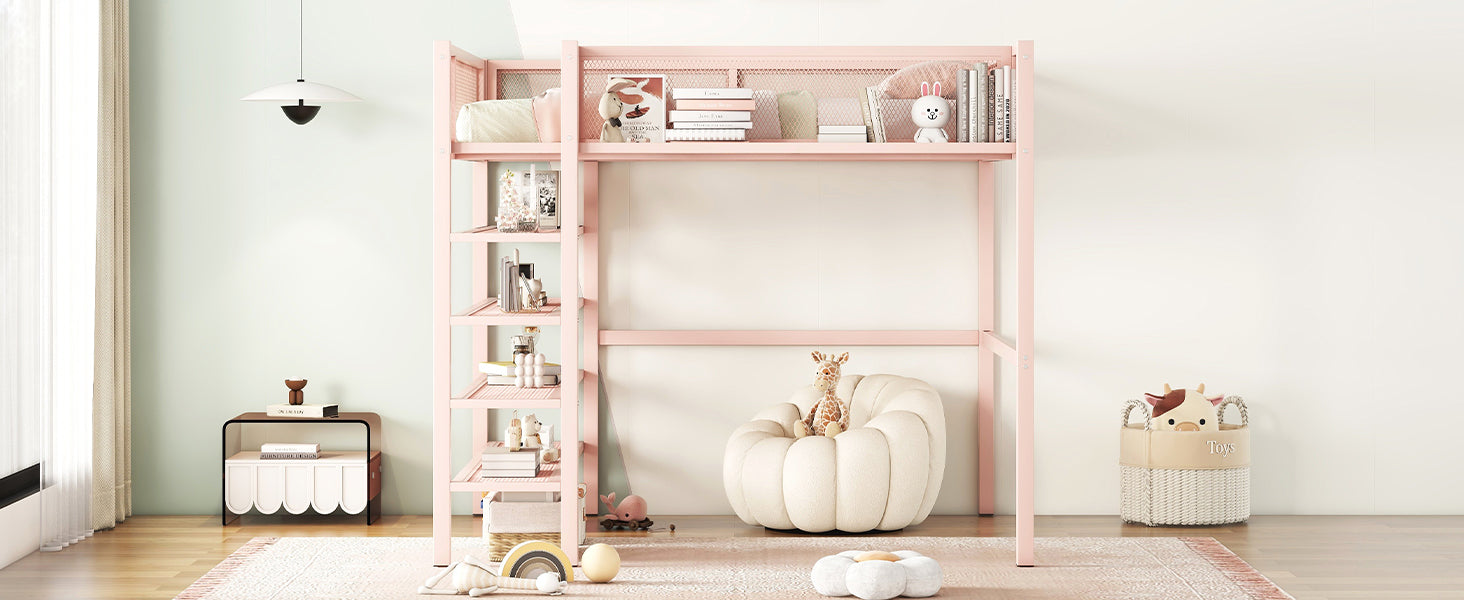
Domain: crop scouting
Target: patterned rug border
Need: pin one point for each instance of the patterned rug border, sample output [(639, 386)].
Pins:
[(226, 568), (1227, 562), (1234, 567)]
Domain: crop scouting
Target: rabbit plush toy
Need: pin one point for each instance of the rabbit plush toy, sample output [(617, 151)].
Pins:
[(931, 113), (612, 108)]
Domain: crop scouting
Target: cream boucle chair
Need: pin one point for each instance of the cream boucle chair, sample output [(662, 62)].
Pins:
[(883, 473)]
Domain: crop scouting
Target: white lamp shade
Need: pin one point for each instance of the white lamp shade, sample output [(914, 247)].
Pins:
[(301, 90)]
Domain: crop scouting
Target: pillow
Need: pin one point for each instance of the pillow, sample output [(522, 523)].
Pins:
[(497, 121), (798, 115), (546, 115), (905, 83)]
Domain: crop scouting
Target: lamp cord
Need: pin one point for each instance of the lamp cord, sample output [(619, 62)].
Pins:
[(301, 47)]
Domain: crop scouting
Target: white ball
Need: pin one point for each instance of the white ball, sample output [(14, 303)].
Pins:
[(922, 576), (829, 573), (539, 359), (547, 583), (876, 580), (600, 563)]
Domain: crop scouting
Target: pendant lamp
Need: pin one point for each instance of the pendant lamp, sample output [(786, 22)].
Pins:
[(300, 91)]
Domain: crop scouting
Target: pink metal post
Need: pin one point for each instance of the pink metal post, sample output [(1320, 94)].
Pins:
[(482, 267), (569, 417), (591, 242), (1026, 350), (986, 321), (441, 302)]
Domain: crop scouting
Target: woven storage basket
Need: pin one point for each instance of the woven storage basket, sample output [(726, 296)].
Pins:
[(508, 524), (1185, 477)]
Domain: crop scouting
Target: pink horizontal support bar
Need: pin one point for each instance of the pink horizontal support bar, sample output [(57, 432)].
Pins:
[(787, 338), (465, 57), (525, 64), (490, 234), (998, 345), (791, 52)]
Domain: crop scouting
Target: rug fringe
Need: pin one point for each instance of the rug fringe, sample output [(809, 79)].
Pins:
[(1236, 569), (220, 573)]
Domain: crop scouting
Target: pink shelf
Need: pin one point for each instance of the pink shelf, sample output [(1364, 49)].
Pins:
[(486, 312), (490, 233), (789, 150), (505, 152), (479, 394), (757, 150), (547, 480), (613, 337)]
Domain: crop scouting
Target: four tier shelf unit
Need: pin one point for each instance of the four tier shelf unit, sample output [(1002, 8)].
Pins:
[(460, 78)]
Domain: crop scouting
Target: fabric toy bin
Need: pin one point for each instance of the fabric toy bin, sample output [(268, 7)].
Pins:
[(1185, 477), (511, 518)]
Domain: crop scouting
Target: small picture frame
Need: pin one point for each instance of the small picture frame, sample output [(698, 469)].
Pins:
[(546, 198)]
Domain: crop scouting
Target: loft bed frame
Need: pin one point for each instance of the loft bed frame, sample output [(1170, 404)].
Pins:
[(460, 78)]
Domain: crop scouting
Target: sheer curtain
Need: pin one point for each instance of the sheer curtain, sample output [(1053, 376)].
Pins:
[(49, 220)]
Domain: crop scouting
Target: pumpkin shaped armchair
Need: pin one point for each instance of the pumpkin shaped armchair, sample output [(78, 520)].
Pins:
[(884, 473)]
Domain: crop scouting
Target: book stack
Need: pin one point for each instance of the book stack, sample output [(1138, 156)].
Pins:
[(497, 461), (289, 451), (843, 133), (710, 114), (984, 104), (502, 372)]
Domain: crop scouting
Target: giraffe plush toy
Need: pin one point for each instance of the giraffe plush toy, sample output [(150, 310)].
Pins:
[(829, 416)]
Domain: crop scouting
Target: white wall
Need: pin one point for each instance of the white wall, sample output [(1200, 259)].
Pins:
[(1256, 195)]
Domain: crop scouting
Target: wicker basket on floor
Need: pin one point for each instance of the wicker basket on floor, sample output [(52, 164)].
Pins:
[(508, 524), (1185, 477)]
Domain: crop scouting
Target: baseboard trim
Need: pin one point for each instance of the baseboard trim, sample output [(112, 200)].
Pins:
[(19, 485)]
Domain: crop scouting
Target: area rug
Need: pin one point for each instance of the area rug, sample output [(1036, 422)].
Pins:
[(757, 568)]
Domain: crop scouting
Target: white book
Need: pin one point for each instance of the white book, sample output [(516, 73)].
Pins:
[(712, 125), (1000, 118), (963, 104), (506, 368), (1011, 106), (306, 411), (711, 93), (289, 455), (312, 448), (859, 129), (977, 107), (843, 137), (710, 115), (706, 135)]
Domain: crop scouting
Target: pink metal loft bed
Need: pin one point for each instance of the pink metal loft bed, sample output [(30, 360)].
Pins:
[(460, 78)]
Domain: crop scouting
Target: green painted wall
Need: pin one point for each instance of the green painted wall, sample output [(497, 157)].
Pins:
[(265, 250)]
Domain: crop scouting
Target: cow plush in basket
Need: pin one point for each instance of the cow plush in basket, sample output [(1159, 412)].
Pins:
[(1183, 410)]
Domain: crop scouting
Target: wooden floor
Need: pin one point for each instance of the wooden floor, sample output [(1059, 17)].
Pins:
[(1310, 557)]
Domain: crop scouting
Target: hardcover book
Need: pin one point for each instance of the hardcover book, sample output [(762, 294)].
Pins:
[(309, 411), (711, 115), (644, 119), (712, 93), (706, 135), (712, 125), (506, 368), (712, 104)]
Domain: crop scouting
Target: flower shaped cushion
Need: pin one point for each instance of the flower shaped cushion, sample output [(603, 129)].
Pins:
[(877, 575)]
